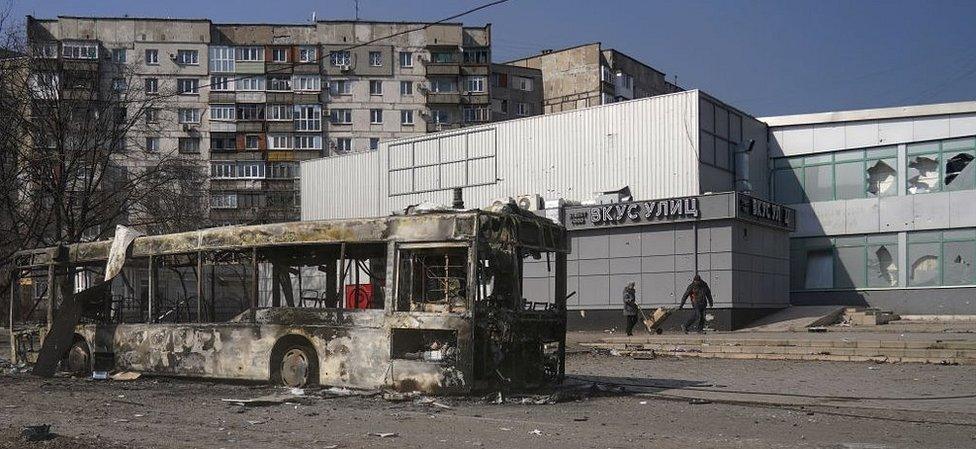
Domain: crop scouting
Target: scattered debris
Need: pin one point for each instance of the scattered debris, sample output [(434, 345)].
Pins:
[(394, 396), (384, 434), (126, 375), (817, 329), (697, 401), (581, 419), (271, 399), (41, 432), (99, 375), (535, 432)]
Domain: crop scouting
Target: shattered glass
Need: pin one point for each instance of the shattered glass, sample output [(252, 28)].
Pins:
[(959, 172), (959, 268), (923, 174), (882, 270), (881, 178)]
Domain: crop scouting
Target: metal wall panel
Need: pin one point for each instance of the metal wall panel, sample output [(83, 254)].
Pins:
[(649, 144), (325, 196)]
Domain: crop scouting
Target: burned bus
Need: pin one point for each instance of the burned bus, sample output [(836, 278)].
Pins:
[(424, 301)]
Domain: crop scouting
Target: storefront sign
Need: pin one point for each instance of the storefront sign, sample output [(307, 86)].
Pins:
[(633, 213), (766, 212)]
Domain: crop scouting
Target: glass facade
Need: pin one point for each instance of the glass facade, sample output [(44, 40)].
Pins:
[(841, 175), (932, 259)]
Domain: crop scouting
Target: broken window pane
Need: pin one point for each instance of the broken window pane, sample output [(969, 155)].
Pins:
[(958, 262), (959, 171), (882, 265), (923, 173), (432, 279), (819, 269), (881, 177), (923, 259)]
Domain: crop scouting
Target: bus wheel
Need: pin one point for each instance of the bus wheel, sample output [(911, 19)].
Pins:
[(296, 366), (78, 359)]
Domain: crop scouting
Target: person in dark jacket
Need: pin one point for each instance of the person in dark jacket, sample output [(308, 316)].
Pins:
[(701, 298), (630, 307)]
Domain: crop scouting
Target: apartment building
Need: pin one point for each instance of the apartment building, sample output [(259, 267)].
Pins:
[(589, 75), (515, 92), (249, 101)]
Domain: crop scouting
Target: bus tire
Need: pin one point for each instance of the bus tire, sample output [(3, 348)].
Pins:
[(294, 363), (78, 359)]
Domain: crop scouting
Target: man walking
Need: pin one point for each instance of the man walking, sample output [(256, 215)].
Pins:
[(630, 307), (701, 298)]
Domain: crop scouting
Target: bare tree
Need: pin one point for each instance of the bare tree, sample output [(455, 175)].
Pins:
[(80, 149)]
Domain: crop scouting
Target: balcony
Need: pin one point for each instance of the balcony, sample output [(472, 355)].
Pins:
[(475, 98), (443, 98), (469, 70), (434, 127), (437, 68)]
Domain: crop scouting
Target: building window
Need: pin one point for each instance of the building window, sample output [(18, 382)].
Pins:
[(118, 55), (376, 116), (307, 54), (842, 175), (222, 59), (48, 50), (223, 142), (443, 85), (340, 116), (308, 117), (79, 50), (849, 262), (406, 117), (118, 85), (343, 144), (187, 57), (522, 83), (223, 170), (187, 86), (250, 83), (280, 112), (283, 170), (522, 109), (374, 143), (221, 83), (152, 86), (443, 57), (475, 84), (340, 87), (941, 258), (440, 116), (504, 106), (279, 83), (475, 56), (406, 59), (249, 54), (307, 83), (223, 200), (720, 133), (499, 79), (944, 165), (476, 114), (375, 87), (222, 112), (375, 59), (152, 144), (188, 115), (339, 58), (279, 54), (252, 142), (152, 115), (406, 88), (308, 142), (152, 56), (279, 142), (250, 111), (189, 145)]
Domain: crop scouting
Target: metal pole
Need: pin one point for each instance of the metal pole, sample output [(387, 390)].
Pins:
[(153, 283), (342, 276), (560, 291), (14, 279), (254, 284), (200, 286), (694, 229)]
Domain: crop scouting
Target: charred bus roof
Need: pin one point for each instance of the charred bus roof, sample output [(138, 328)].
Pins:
[(517, 229)]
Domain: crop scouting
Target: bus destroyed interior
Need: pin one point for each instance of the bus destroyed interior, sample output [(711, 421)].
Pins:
[(425, 301)]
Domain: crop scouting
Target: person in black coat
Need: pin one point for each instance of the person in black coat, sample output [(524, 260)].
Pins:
[(630, 307), (701, 298)]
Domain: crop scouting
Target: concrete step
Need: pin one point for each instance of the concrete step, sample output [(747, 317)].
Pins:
[(961, 352)]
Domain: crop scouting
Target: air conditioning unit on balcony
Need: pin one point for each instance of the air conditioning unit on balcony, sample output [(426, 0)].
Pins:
[(345, 68)]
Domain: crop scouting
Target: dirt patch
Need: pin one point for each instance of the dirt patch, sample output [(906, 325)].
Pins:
[(10, 438)]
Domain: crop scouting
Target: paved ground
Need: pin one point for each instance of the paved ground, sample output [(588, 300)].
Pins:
[(755, 404)]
